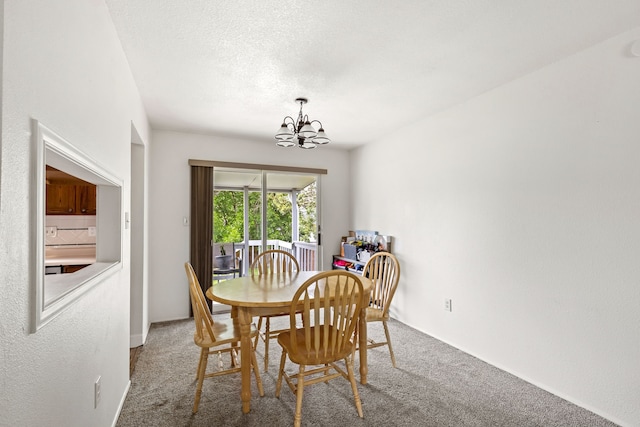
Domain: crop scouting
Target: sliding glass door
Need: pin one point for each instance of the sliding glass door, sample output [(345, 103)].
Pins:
[(292, 215), (256, 210)]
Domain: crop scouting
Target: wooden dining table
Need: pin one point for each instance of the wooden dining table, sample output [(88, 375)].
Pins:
[(256, 295)]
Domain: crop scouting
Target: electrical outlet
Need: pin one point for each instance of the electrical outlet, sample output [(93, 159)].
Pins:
[(51, 231), (447, 304), (97, 392)]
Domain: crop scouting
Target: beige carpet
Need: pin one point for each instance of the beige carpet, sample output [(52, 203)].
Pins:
[(434, 385)]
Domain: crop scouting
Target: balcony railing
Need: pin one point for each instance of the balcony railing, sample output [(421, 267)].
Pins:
[(304, 252)]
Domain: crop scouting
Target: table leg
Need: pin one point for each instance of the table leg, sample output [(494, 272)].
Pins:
[(362, 337), (244, 318)]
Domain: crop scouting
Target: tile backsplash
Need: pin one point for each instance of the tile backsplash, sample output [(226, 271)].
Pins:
[(70, 230)]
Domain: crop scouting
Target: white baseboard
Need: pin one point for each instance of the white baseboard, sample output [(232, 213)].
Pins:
[(135, 341), (534, 382), (138, 339), (121, 405)]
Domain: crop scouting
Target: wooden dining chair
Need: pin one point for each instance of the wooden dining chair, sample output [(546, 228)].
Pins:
[(383, 269), (330, 303), (273, 261), (217, 337)]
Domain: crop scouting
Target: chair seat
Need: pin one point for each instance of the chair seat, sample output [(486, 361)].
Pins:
[(302, 356), (375, 314), (225, 332)]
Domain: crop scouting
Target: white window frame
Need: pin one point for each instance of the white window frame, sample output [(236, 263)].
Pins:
[(52, 294)]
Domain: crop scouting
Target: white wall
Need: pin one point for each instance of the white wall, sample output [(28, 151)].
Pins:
[(64, 66), (523, 206), (169, 202)]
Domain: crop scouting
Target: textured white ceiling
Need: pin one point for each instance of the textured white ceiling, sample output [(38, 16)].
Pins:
[(367, 67)]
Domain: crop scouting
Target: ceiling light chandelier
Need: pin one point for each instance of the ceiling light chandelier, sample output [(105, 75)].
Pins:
[(300, 131)]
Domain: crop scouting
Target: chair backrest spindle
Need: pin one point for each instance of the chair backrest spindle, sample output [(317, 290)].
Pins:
[(383, 270), (274, 261)]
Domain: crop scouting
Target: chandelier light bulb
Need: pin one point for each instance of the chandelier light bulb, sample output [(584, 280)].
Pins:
[(284, 133), (285, 143), (321, 138), (308, 131), (307, 144)]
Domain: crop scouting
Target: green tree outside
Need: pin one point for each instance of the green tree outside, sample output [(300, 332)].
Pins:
[(307, 213), (228, 220)]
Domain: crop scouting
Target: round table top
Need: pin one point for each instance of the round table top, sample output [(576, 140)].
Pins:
[(267, 290)]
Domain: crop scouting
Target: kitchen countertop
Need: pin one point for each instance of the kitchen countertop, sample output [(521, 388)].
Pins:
[(57, 255)]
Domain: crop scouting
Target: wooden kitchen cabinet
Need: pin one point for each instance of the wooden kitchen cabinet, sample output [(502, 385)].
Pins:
[(86, 199), (71, 199), (61, 199)]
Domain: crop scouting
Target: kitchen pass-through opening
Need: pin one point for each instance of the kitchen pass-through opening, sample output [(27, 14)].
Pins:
[(77, 218)]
